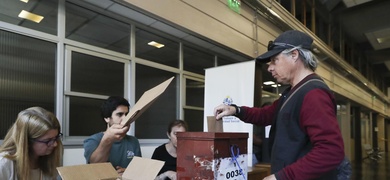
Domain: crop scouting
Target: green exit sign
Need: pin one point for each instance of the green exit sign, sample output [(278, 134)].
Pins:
[(235, 5)]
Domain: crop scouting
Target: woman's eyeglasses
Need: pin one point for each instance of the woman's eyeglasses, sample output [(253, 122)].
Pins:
[(49, 142), (272, 45)]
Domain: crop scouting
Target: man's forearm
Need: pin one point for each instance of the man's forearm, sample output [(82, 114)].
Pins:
[(102, 152)]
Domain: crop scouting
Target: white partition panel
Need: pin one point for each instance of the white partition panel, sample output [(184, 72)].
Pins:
[(234, 82)]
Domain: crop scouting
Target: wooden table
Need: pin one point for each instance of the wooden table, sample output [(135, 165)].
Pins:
[(264, 165), (257, 173)]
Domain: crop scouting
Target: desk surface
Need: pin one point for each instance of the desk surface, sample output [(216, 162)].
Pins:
[(257, 173)]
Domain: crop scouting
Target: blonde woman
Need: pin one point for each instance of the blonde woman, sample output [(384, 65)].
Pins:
[(32, 148)]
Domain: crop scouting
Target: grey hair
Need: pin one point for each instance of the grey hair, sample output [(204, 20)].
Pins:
[(308, 58)]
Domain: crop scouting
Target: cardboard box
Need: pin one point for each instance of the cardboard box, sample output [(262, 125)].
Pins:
[(88, 171), (212, 155), (213, 125), (147, 98), (138, 169)]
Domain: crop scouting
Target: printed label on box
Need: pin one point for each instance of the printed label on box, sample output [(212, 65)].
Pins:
[(231, 168)]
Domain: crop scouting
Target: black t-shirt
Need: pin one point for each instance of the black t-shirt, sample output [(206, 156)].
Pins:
[(161, 153)]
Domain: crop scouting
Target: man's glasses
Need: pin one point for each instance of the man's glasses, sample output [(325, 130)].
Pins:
[(49, 142), (272, 45)]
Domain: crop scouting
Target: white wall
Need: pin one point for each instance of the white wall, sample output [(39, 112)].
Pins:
[(73, 156)]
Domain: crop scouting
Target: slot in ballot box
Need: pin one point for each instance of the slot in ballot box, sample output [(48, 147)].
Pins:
[(211, 155)]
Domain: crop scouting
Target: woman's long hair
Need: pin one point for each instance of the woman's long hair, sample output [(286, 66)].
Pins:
[(32, 123)]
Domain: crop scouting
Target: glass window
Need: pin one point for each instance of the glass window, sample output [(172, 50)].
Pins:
[(196, 61), (10, 10), (153, 123), (27, 76), (194, 119), (194, 103), (91, 74), (84, 116), (322, 29), (287, 4), (336, 35), (225, 61), (268, 81), (97, 78), (95, 29), (167, 55), (194, 93)]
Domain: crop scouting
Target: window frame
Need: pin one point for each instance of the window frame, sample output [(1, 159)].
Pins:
[(69, 93)]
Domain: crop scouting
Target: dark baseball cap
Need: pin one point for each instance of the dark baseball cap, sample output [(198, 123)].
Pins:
[(286, 40)]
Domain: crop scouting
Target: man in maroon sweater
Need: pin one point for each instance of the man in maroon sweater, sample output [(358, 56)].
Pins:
[(305, 138)]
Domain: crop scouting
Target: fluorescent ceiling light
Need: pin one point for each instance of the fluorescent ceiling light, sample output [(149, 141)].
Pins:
[(350, 3), (156, 44), (383, 39), (268, 83), (25, 1), (274, 13), (30, 16), (275, 85), (316, 50)]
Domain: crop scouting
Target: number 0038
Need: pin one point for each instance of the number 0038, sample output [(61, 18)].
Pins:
[(233, 174)]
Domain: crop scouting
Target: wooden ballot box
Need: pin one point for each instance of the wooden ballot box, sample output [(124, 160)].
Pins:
[(211, 155)]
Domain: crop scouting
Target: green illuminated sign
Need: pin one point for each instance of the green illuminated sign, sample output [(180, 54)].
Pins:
[(235, 5)]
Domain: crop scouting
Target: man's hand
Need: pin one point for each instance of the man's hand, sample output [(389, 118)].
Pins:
[(270, 177), (120, 170), (223, 110), (167, 174), (171, 175), (116, 132)]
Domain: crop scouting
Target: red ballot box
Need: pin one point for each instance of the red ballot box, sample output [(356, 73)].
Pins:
[(211, 155)]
